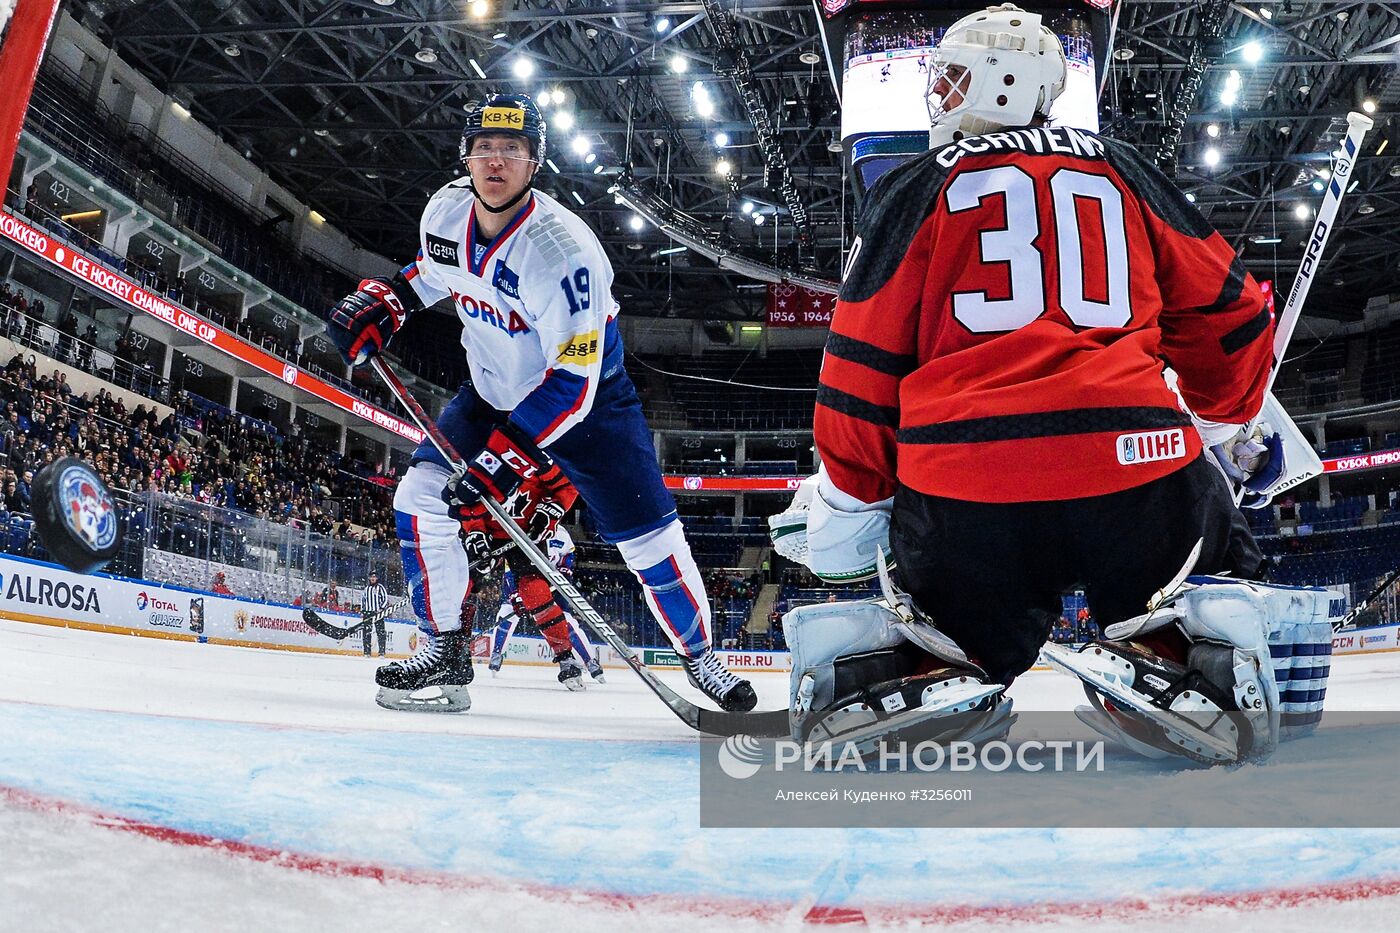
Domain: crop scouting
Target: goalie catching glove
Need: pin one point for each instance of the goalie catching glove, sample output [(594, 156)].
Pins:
[(835, 535)]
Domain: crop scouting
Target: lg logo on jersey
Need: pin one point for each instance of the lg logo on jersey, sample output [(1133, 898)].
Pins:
[(473, 310), (1151, 446)]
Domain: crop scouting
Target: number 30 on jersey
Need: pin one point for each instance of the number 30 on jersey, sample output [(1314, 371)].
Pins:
[(1014, 244)]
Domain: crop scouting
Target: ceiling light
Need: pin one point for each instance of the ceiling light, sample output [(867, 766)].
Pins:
[(563, 120), (322, 132), (721, 139), (597, 170), (498, 36), (478, 8), (759, 220), (834, 144), (809, 57), (1302, 211), (1366, 208), (426, 56), (635, 222), (232, 51), (477, 68), (1228, 97), (523, 68), (748, 207), (385, 2), (1304, 89), (1368, 105), (1394, 171), (662, 24), (679, 64), (634, 246), (1318, 186), (1213, 130), (671, 251), (558, 95), (371, 174), (554, 168), (1211, 157), (1124, 54), (724, 167), (581, 145), (1252, 52), (590, 158), (1262, 240), (1381, 148), (577, 197), (1266, 12), (1191, 197)]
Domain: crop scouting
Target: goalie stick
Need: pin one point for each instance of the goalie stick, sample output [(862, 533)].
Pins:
[(315, 621), (1301, 459), (711, 722)]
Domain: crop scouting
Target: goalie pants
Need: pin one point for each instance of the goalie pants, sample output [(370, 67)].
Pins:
[(610, 458), (990, 575)]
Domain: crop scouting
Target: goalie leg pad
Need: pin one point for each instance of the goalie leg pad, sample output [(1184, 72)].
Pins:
[(857, 678), (1220, 701)]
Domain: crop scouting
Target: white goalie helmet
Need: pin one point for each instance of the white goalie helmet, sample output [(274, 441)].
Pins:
[(1000, 68)]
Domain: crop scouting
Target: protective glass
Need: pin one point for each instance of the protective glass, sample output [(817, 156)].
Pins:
[(510, 151)]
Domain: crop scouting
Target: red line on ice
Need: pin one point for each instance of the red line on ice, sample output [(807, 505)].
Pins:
[(1122, 910)]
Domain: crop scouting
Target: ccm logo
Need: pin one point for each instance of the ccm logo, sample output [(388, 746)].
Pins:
[(1150, 446)]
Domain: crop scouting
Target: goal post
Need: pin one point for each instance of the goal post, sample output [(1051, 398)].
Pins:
[(24, 32)]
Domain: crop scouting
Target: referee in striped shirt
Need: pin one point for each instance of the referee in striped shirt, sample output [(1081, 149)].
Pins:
[(372, 606)]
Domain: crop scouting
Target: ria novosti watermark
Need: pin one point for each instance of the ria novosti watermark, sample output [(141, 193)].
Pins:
[(1052, 770)]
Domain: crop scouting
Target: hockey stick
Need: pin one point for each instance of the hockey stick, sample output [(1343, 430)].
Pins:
[(1361, 607), (1305, 463), (316, 622), (711, 722)]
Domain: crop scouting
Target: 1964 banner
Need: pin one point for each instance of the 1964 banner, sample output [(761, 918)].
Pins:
[(794, 306)]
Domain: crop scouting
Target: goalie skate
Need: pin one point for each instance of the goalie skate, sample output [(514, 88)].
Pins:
[(1191, 721), (434, 680)]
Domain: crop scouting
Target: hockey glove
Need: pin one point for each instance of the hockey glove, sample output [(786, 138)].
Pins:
[(508, 459), (543, 502), (483, 554), (1252, 463), (362, 322)]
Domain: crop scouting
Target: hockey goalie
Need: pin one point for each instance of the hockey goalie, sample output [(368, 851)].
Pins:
[(993, 414)]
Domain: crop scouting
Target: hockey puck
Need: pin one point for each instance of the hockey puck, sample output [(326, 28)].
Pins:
[(75, 516)]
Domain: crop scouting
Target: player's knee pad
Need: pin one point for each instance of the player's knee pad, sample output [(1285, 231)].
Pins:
[(675, 591), (434, 563), (1220, 672), (858, 676)]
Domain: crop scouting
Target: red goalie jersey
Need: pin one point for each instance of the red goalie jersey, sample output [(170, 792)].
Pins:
[(1005, 318)]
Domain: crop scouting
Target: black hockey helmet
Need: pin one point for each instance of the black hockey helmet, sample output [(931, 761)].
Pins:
[(505, 113)]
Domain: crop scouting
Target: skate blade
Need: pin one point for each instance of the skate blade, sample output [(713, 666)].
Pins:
[(449, 699), (598, 678), (575, 685), (1179, 729), (866, 729)]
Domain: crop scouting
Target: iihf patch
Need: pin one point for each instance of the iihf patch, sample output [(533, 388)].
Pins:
[(1151, 446), (443, 251), (506, 281)]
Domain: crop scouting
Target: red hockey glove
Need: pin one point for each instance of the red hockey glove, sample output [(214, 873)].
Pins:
[(508, 459), (542, 502), (362, 322)]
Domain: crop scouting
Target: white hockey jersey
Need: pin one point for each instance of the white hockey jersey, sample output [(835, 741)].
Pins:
[(536, 305)]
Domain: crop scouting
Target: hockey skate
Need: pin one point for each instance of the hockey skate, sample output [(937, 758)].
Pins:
[(595, 670), (494, 665), (443, 663), (570, 671), (708, 674)]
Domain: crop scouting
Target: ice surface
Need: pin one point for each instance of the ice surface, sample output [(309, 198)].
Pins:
[(539, 808)]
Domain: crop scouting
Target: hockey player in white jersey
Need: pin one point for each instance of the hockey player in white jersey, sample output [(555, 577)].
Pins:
[(532, 287), (559, 548)]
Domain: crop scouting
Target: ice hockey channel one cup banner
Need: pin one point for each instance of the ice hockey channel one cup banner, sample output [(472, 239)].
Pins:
[(1053, 770)]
